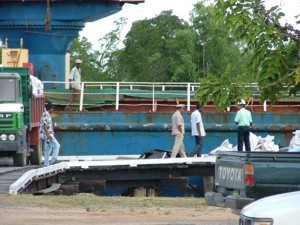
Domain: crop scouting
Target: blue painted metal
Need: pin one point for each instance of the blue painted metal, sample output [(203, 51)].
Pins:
[(47, 48), (115, 133)]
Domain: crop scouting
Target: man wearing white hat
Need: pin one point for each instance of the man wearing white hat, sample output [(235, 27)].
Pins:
[(75, 83), (244, 120), (178, 132)]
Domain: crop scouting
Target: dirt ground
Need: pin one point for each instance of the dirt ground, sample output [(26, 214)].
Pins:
[(204, 215), (23, 210)]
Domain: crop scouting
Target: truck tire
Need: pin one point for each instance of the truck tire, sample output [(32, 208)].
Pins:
[(36, 156), (20, 159)]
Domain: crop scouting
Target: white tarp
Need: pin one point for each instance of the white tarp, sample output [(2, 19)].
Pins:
[(257, 143)]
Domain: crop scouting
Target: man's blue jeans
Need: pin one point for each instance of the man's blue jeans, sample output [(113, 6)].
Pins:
[(51, 147), (243, 137), (198, 148)]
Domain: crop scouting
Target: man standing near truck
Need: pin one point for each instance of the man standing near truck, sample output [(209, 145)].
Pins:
[(244, 120), (46, 133)]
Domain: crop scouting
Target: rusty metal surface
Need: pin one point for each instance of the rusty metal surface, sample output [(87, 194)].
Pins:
[(119, 133)]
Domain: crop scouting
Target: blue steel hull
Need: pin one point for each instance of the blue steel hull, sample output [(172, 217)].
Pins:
[(118, 133)]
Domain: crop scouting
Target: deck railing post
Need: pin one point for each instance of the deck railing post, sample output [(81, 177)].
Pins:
[(117, 95), (188, 100), (265, 106), (81, 96), (153, 98)]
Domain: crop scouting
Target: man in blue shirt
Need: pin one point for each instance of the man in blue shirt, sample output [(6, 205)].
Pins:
[(244, 120)]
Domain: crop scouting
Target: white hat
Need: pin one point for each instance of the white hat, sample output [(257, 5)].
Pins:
[(242, 102), (78, 61), (180, 106)]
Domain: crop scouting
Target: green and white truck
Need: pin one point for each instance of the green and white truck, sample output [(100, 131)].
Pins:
[(20, 113)]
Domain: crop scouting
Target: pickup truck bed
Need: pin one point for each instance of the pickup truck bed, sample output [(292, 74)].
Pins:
[(241, 178)]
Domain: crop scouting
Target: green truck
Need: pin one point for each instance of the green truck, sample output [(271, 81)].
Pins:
[(241, 178), (20, 113)]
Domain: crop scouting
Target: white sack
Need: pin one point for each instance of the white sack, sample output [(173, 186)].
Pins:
[(266, 144), (37, 86), (225, 146), (295, 141)]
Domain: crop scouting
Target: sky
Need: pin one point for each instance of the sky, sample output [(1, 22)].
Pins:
[(152, 8), (134, 12)]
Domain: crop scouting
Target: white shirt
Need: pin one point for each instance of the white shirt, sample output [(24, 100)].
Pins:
[(75, 76), (196, 118)]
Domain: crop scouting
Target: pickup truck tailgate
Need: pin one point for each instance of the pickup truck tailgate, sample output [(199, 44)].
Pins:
[(229, 171)]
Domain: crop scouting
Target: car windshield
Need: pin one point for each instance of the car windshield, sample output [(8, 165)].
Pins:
[(8, 90)]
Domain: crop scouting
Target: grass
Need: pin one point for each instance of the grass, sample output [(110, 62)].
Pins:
[(97, 202)]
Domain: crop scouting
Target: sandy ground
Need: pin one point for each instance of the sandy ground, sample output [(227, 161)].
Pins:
[(12, 215)]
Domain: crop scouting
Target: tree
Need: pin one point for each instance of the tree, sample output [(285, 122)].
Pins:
[(159, 50), (220, 63), (215, 43), (275, 46), (110, 48)]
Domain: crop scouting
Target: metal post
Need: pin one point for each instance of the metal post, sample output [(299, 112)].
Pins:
[(117, 96), (188, 97), (265, 106), (153, 95), (81, 96)]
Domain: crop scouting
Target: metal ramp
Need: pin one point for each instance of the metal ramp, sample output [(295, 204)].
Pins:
[(176, 167), (9, 175)]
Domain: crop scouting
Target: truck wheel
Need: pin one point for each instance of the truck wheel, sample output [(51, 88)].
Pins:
[(20, 159), (36, 156)]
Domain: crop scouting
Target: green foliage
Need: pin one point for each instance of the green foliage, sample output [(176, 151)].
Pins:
[(223, 90), (159, 50), (110, 52), (215, 45), (273, 45)]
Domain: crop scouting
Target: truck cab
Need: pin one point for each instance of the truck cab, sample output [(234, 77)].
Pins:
[(18, 128)]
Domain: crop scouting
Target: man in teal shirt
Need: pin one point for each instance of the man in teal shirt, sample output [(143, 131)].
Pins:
[(244, 120)]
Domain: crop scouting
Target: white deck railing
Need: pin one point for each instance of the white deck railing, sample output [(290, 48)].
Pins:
[(154, 88)]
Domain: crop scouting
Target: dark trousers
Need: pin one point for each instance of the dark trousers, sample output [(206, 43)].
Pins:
[(243, 137), (198, 148)]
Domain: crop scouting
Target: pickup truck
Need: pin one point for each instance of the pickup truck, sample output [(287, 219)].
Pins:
[(243, 177), (278, 209)]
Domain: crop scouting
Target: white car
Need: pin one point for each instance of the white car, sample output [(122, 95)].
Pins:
[(281, 209)]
